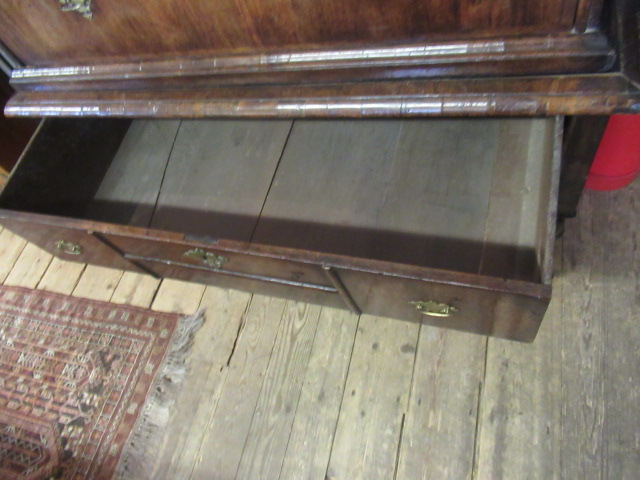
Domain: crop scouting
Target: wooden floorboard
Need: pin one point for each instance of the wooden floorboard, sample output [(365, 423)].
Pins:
[(208, 366), (267, 439), (29, 267), (61, 276), (135, 289), (621, 453), (229, 424), (11, 247), (98, 283), (178, 297), (375, 400), (438, 437), (312, 434), (583, 334), (519, 420), (278, 389)]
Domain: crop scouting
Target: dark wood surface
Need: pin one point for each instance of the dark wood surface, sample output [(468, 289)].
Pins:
[(119, 28), (464, 57), (498, 314), (128, 191), (626, 22), (273, 286), (355, 59), (47, 235), (235, 261), (510, 308), (62, 169), (15, 133), (489, 57), (581, 140)]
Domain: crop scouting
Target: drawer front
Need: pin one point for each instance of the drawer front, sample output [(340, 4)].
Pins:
[(68, 243), (511, 315), (322, 295), (232, 262), (44, 32)]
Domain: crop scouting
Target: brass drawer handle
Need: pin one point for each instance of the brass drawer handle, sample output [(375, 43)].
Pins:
[(434, 309), (208, 258), (83, 7), (69, 247)]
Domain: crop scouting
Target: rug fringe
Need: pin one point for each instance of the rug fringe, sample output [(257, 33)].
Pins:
[(142, 448)]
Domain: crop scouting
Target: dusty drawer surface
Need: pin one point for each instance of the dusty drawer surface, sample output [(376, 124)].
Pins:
[(276, 201)]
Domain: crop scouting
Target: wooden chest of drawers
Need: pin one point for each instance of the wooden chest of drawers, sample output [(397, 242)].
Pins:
[(395, 158), (450, 222)]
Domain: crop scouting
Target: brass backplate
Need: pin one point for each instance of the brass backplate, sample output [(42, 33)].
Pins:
[(434, 309)]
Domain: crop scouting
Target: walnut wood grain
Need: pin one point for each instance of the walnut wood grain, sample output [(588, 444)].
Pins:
[(564, 95), (233, 263), (171, 59), (517, 56), (492, 306), (204, 59), (47, 236), (120, 28), (503, 315)]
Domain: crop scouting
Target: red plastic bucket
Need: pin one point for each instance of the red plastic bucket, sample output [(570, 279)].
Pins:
[(617, 161)]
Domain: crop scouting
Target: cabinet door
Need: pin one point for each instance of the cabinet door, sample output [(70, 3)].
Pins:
[(484, 305), (69, 242)]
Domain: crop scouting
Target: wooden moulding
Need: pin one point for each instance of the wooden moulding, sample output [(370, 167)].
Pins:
[(558, 74), (7, 61), (602, 94), (277, 59), (497, 56)]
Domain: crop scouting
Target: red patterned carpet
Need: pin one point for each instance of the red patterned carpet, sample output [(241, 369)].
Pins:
[(76, 377)]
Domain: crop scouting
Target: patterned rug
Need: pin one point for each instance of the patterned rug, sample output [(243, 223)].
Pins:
[(84, 385)]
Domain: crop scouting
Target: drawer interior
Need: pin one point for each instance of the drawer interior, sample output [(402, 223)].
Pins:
[(470, 195)]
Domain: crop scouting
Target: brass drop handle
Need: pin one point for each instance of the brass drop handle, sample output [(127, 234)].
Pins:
[(83, 7), (208, 258), (434, 309), (69, 248)]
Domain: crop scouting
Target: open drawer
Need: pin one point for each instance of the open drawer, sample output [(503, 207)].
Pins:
[(444, 221)]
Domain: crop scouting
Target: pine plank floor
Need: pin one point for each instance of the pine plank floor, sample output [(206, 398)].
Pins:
[(284, 390)]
